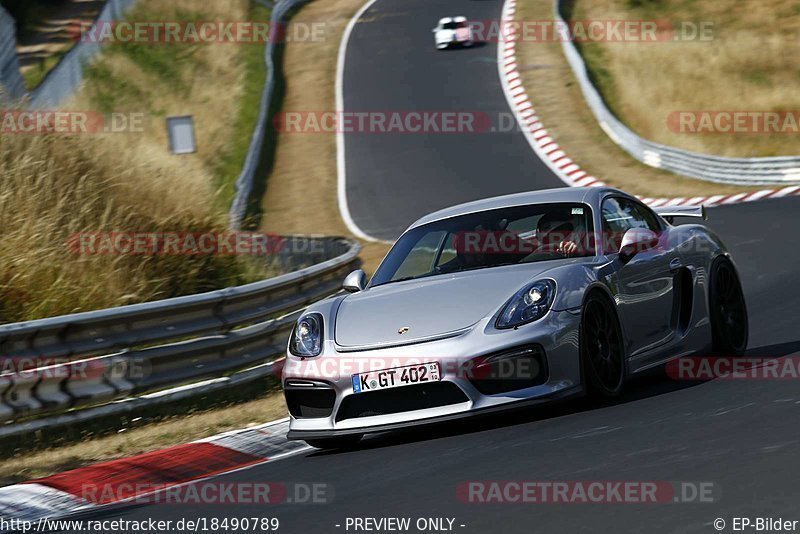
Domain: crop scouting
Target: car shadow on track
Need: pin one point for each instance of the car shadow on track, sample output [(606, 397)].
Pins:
[(474, 45), (645, 385)]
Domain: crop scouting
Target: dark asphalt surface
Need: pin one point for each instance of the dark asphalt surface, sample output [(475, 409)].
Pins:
[(741, 436), (393, 66)]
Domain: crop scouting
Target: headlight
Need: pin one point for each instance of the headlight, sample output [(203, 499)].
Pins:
[(528, 305), (306, 337)]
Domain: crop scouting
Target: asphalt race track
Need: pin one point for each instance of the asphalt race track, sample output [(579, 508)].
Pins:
[(741, 436), (392, 65)]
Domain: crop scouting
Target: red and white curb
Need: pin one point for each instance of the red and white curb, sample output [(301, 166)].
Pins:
[(554, 156), (123, 480)]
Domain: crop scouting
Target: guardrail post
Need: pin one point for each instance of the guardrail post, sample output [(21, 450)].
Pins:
[(86, 383), (6, 411), (20, 393), (48, 390), (221, 332)]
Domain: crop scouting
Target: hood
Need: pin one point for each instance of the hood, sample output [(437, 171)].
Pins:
[(428, 307)]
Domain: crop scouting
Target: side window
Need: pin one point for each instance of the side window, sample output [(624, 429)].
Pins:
[(648, 217), (619, 216), (420, 261)]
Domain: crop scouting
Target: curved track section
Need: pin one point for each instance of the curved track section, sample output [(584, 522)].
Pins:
[(391, 65), (741, 436)]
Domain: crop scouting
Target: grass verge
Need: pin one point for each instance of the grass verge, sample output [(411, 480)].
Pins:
[(748, 61), (249, 406), (147, 82), (300, 196), (558, 101), (55, 186)]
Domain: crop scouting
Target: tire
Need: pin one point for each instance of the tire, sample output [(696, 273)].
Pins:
[(467, 44), (344, 442), (727, 310), (602, 348)]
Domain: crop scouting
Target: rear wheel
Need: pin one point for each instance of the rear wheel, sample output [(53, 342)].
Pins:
[(344, 442), (728, 311), (602, 349)]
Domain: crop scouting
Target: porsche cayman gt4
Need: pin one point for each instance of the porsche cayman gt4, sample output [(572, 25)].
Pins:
[(511, 300)]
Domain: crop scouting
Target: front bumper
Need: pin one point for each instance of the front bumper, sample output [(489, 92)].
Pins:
[(330, 408)]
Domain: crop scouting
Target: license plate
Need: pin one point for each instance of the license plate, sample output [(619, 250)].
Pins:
[(399, 376)]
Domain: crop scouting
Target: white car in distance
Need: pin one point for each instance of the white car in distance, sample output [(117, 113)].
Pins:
[(452, 31)]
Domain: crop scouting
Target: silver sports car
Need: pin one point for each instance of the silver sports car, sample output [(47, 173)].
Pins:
[(506, 301)]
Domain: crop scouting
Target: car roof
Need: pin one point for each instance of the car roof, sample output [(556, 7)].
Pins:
[(588, 195), (445, 20)]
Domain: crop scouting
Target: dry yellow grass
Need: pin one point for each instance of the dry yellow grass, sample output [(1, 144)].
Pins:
[(301, 198), (750, 64), (301, 190), (204, 81), (54, 186), (173, 431), (559, 103)]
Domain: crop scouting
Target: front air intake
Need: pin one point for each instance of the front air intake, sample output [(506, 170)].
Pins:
[(401, 399)]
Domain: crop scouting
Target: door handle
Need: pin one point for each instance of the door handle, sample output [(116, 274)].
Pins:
[(675, 265)]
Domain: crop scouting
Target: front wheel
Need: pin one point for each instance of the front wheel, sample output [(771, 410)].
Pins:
[(601, 347), (344, 442), (727, 310)]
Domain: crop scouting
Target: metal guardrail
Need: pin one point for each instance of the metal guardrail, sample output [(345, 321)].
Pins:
[(740, 171), (10, 77), (108, 355), (122, 360), (107, 361), (244, 182)]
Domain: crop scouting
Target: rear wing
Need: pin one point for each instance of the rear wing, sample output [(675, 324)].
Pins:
[(670, 212)]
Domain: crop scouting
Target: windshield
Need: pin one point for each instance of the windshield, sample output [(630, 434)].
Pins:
[(506, 236), (454, 25)]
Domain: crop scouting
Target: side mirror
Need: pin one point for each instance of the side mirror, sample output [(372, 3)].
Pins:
[(355, 281), (636, 240)]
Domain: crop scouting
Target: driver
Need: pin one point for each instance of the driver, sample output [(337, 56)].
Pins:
[(557, 231)]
